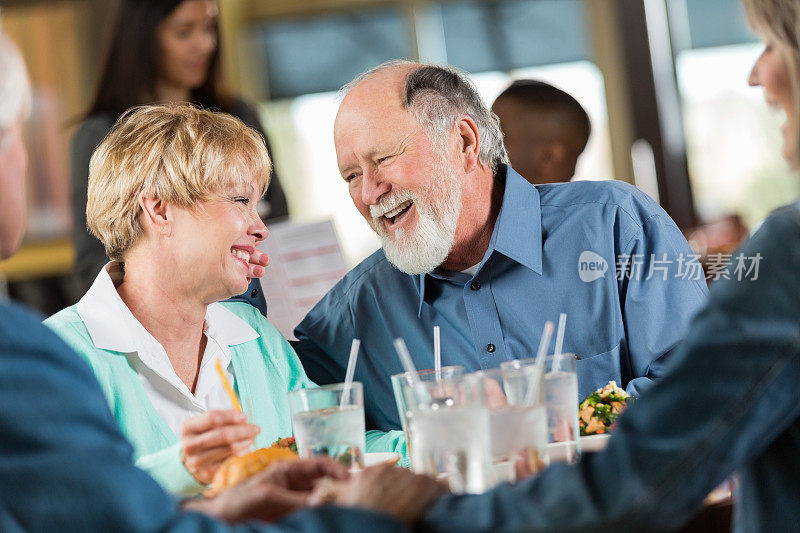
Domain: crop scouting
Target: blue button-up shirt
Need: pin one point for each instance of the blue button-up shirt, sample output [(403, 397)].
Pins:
[(554, 248), (253, 296)]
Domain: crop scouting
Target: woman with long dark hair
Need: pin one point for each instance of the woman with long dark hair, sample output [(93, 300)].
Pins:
[(161, 51)]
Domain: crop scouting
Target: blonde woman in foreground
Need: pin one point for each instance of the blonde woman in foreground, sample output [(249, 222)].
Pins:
[(172, 196)]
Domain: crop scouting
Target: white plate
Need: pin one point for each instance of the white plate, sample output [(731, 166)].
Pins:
[(372, 459), (594, 443), (557, 451)]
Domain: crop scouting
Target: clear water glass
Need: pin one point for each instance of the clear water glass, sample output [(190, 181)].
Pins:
[(326, 424), (560, 394), (448, 426), (517, 422), (402, 388)]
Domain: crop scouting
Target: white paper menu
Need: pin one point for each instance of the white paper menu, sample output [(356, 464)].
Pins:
[(306, 261)]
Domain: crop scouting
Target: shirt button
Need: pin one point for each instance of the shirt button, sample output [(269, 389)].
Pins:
[(490, 348), (475, 285), (253, 293)]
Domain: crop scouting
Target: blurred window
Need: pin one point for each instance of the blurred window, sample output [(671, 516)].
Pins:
[(733, 139), (715, 22), (503, 36), (322, 53)]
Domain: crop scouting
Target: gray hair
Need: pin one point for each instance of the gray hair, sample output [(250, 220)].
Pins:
[(436, 96), (15, 92)]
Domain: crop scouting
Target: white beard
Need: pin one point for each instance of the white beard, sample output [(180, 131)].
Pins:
[(428, 245)]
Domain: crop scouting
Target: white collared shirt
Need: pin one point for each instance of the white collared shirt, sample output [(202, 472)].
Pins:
[(112, 326)]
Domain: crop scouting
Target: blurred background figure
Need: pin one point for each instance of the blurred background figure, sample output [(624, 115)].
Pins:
[(714, 241), (720, 236), (161, 51), (14, 103), (545, 130)]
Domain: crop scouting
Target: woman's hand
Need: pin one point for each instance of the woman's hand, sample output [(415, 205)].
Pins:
[(208, 439)]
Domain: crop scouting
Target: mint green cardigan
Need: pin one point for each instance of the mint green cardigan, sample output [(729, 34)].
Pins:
[(265, 369)]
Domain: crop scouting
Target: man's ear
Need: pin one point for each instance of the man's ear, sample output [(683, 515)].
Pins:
[(155, 214), (469, 145)]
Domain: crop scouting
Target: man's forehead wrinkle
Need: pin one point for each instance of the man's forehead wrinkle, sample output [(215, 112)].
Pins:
[(364, 105), (381, 100)]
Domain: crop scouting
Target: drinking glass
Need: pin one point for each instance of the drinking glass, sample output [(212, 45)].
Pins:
[(517, 422), (448, 427), (560, 394), (326, 422), (401, 385)]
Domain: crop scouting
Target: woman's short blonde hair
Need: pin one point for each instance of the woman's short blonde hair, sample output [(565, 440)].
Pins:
[(779, 20), (178, 153)]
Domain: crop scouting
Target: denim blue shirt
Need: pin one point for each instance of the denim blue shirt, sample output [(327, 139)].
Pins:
[(729, 401), (547, 253)]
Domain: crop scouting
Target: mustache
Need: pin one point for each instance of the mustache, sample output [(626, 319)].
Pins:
[(388, 204)]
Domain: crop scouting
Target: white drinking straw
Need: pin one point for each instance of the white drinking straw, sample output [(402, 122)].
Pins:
[(351, 370), (437, 353), (544, 343), (405, 358), (411, 370), (562, 324)]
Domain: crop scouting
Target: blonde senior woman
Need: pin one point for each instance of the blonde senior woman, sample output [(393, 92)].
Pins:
[(172, 196)]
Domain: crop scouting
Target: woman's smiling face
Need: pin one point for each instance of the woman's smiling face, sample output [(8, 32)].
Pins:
[(213, 243)]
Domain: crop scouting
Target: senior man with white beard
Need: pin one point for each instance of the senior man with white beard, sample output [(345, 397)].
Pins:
[(471, 246)]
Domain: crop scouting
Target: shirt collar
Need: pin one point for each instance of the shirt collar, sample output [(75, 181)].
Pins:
[(227, 328), (517, 232), (112, 326), (108, 320)]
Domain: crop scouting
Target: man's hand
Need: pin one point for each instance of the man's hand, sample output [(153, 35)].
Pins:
[(495, 397), (282, 488), (208, 439), (394, 491)]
